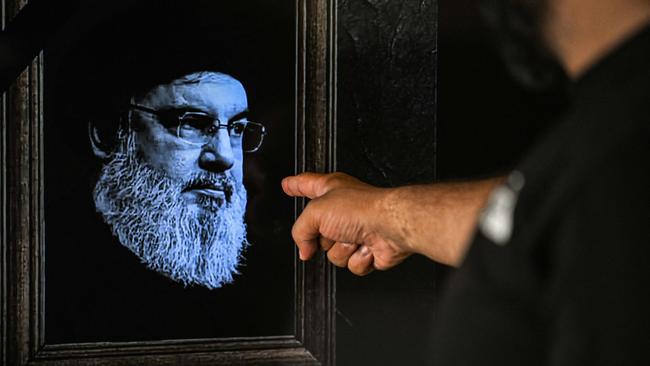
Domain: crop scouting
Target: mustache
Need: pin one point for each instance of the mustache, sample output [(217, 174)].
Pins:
[(201, 180)]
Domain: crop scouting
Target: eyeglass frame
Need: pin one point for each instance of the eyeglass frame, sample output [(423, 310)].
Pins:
[(218, 125)]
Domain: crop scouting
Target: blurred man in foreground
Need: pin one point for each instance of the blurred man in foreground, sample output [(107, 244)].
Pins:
[(553, 257)]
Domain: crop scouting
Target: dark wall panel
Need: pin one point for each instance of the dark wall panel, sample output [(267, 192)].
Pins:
[(387, 136), (387, 94)]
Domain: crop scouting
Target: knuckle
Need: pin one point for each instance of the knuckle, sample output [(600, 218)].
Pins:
[(381, 263), (294, 230), (381, 266), (337, 261), (327, 182), (355, 270), (362, 271), (359, 269), (297, 229), (325, 244), (312, 207), (332, 180)]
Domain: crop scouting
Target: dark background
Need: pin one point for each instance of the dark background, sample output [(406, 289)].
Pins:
[(422, 97)]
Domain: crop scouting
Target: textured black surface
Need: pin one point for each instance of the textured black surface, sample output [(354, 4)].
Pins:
[(386, 80), (386, 123)]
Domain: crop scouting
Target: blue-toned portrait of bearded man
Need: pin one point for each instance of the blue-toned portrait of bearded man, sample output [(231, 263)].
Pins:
[(168, 128), (168, 122), (172, 187)]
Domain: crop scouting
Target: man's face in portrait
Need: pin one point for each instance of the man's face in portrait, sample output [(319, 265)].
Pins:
[(172, 189)]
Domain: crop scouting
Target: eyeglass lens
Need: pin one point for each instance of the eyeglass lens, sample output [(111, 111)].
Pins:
[(198, 128)]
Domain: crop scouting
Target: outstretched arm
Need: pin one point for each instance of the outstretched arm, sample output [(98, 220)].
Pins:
[(363, 227)]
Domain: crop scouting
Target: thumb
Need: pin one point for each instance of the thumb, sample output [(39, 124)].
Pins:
[(310, 185)]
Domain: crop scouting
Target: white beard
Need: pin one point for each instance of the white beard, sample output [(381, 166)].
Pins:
[(147, 213)]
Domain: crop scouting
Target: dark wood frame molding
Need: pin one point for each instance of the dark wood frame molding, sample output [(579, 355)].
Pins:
[(22, 243)]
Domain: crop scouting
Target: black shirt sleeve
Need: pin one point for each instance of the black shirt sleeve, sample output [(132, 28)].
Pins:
[(572, 287)]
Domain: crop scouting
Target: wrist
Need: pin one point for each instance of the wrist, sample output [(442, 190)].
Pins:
[(395, 206)]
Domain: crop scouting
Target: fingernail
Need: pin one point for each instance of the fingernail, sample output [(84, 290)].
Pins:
[(365, 251)]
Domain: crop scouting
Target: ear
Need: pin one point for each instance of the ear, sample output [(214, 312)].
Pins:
[(100, 148)]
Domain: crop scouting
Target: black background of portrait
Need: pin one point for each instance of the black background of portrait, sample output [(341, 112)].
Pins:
[(96, 290)]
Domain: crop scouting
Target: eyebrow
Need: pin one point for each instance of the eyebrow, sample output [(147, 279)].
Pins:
[(240, 115), (181, 109)]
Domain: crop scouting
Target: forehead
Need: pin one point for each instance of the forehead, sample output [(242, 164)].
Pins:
[(216, 93)]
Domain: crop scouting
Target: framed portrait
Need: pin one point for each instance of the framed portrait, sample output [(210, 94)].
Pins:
[(143, 222)]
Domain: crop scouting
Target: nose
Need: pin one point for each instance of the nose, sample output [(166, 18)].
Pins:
[(217, 155)]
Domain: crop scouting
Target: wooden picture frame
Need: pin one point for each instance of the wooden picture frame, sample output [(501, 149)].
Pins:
[(22, 260)]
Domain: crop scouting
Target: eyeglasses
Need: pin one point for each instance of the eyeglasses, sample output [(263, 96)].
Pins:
[(198, 128)]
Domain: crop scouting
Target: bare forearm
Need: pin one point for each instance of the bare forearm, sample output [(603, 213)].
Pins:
[(364, 227), (437, 220)]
